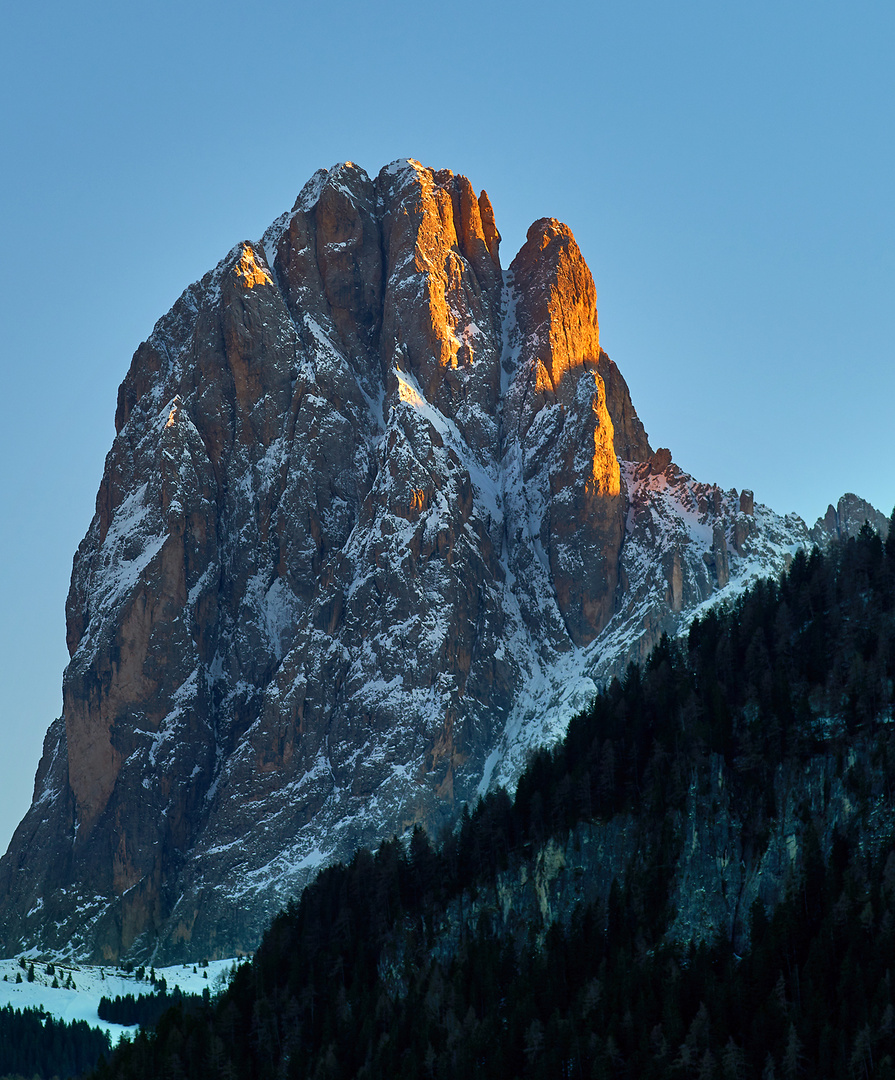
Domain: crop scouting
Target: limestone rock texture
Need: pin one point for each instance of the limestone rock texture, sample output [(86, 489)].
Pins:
[(378, 518)]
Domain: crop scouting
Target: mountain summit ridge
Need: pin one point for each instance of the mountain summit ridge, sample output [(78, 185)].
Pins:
[(377, 519)]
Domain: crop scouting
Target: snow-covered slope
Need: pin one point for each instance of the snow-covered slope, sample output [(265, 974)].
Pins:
[(81, 986), (688, 546)]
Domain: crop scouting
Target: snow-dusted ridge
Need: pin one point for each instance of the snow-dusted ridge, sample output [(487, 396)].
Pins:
[(671, 514)]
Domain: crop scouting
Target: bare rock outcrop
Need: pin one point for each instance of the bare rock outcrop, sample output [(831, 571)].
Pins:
[(556, 414), (846, 519)]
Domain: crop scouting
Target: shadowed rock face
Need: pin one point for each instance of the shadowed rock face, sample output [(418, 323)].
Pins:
[(376, 518), (846, 519)]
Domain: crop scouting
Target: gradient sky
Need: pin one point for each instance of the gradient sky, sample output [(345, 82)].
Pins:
[(727, 171)]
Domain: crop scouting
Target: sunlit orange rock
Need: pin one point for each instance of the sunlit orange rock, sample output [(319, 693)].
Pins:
[(441, 321), (559, 315), (249, 271)]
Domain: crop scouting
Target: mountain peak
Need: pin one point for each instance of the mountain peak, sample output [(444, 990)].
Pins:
[(376, 520)]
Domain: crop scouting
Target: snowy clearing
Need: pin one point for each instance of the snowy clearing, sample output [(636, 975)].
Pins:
[(90, 983)]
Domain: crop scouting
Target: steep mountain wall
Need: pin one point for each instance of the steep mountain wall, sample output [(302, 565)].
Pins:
[(377, 519)]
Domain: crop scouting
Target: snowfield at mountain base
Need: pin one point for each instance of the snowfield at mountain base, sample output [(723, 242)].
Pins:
[(81, 986)]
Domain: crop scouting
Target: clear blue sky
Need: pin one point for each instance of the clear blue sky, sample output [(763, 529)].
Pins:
[(727, 170)]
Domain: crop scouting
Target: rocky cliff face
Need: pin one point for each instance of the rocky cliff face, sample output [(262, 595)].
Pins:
[(846, 519), (377, 519)]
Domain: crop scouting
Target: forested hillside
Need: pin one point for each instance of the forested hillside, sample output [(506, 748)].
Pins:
[(33, 1043), (422, 961)]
